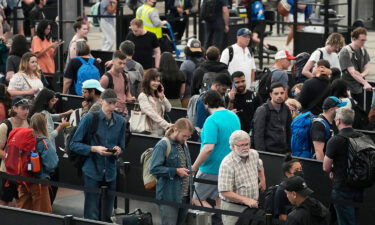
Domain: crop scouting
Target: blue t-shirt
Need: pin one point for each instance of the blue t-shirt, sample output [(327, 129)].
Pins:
[(217, 130)]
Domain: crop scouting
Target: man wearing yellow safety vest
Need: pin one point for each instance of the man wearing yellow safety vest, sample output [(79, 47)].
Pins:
[(150, 17)]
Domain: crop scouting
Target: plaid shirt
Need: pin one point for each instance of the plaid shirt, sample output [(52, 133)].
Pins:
[(240, 175)]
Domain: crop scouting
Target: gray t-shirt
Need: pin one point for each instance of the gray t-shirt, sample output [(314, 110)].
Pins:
[(358, 59), (13, 63), (280, 76)]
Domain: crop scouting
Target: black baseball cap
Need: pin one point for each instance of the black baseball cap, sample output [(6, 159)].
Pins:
[(298, 184), (20, 101)]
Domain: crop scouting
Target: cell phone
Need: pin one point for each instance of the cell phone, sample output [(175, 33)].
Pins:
[(111, 150), (160, 88)]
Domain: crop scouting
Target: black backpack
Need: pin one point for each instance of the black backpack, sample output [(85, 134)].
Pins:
[(361, 161), (269, 199), (208, 10), (77, 159), (264, 83), (301, 60)]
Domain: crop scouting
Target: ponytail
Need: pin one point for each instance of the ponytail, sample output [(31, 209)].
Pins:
[(180, 124)]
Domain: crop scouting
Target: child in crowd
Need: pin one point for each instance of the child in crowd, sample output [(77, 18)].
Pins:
[(36, 196)]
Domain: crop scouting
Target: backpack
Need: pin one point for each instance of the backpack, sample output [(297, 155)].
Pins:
[(192, 109), (231, 53), (360, 172), (208, 79), (264, 83), (301, 60), (135, 77), (20, 144), (150, 180), (95, 11), (77, 159), (301, 143), (110, 81), (87, 71), (208, 10), (269, 199)]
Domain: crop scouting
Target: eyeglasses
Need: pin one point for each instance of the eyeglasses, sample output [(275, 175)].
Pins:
[(243, 145), (22, 101)]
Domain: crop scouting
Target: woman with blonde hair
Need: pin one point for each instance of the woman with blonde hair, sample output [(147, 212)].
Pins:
[(36, 196), (26, 82), (173, 172), (294, 107)]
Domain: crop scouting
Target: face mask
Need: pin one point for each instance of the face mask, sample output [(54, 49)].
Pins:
[(298, 173)]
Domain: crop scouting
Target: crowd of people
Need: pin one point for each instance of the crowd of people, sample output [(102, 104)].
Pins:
[(233, 112)]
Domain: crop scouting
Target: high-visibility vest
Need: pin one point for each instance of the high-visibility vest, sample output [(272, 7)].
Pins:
[(143, 14)]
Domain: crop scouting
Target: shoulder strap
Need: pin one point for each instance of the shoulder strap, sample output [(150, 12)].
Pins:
[(231, 53), (9, 125), (91, 61), (81, 60), (325, 123), (168, 143), (44, 142), (78, 117), (321, 53), (95, 122), (110, 80)]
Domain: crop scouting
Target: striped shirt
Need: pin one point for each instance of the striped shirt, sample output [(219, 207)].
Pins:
[(185, 181), (240, 175)]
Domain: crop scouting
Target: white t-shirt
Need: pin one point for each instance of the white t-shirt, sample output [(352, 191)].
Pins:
[(242, 61), (332, 58), (22, 82)]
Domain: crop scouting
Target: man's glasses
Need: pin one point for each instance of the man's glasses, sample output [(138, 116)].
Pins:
[(243, 145)]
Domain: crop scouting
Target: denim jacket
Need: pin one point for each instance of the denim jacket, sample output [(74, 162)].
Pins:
[(109, 135), (48, 156), (169, 184)]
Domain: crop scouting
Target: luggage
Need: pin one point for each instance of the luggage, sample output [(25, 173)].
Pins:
[(196, 217), (137, 218)]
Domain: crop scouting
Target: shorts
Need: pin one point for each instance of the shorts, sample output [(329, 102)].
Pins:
[(258, 27), (300, 18), (9, 190), (205, 191)]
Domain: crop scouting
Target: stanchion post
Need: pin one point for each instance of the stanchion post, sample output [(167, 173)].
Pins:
[(269, 219), (104, 195), (68, 220), (126, 166)]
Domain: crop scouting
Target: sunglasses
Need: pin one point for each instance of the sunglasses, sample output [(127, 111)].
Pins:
[(22, 101)]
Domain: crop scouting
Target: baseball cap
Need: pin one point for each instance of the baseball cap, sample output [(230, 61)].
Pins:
[(284, 54), (109, 95), (194, 45), (92, 84), (333, 101), (297, 184), (20, 101), (243, 32)]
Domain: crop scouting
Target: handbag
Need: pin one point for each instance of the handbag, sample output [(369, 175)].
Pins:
[(139, 122), (137, 218)]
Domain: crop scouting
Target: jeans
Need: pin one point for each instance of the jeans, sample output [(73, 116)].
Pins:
[(109, 35), (171, 215), (347, 215), (214, 34), (93, 205)]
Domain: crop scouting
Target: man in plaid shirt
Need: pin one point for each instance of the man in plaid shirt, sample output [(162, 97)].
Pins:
[(239, 176)]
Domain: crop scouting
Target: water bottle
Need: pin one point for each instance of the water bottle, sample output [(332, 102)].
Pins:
[(35, 162)]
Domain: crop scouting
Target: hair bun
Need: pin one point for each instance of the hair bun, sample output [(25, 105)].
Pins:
[(288, 157)]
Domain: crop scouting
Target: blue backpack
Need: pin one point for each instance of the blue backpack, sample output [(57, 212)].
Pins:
[(301, 141), (87, 71)]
